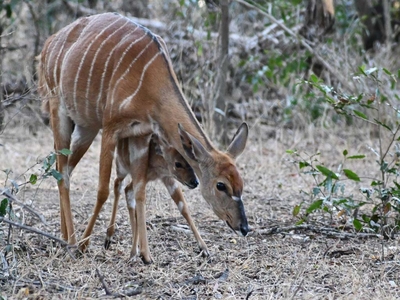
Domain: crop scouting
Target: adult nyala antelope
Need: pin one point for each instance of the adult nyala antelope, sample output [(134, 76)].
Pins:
[(107, 72), (165, 163)]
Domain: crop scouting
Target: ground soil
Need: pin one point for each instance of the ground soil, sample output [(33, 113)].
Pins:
[(294, 265)]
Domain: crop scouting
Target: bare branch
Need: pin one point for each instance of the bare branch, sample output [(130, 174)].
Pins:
[(330, 232), (31, 229), (14, 199), (110, 293)]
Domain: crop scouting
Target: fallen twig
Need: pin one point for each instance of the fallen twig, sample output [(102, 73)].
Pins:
[(31, 229), (297, 289), (322, 230), (14, 199), (110, 293), (302, 41), (338, 253)]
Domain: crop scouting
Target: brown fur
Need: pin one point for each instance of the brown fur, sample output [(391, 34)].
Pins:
[(162, 165), (106, 72)]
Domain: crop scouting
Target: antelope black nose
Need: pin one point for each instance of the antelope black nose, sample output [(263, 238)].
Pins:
[(244, 229), (194, 183)]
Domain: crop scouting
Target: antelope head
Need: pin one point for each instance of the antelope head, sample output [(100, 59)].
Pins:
[(221, 184)]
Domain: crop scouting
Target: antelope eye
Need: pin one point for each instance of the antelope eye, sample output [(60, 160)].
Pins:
[(178, 165), (221, 187)]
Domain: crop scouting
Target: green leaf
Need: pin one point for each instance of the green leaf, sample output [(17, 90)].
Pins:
[(316, 191), (362, 70), (52, 159), (33, 179), (57, 175), (296, 210), (314, 78), (303, 164), (65, 152), (8, 10), (383, 124), (3, 207), (365, 218), (357, 225), (376, 183), (345, 152), (351, 175), (325, 171), (290, 151), (360, 114), (314, 206), (387, 71), (359, 156), (299, 222)]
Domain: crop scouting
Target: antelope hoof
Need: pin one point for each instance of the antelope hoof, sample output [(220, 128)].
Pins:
[(107, 243), (146, 261), (204, 252), (84, 246)]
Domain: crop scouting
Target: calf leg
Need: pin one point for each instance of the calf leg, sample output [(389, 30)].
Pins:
[(177, 195)]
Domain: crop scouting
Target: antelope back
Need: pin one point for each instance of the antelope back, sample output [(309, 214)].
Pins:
[(87, 64)]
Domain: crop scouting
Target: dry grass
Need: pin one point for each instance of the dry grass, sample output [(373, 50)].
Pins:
[(296, 265)]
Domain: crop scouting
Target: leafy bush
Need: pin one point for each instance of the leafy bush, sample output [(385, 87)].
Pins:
[(379, 110)]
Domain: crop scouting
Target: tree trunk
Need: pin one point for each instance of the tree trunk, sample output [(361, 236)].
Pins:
[(221, 86), (372, 18)]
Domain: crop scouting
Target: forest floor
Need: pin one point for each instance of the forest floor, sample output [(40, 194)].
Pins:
[(295, 264)]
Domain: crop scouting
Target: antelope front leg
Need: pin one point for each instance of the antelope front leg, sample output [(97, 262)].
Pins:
[(106, 158), (62, 130), (177, 195)]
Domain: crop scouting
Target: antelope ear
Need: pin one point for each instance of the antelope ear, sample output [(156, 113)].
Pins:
[(192, 146), (239, 140)]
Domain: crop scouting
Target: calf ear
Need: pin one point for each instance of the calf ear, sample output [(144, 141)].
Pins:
[(192, 146), (156, 142), (238, 142)]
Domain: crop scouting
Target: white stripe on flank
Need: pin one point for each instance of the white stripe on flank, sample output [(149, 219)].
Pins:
[(93, 62), (48, 60), (129, 99), (130, 65), (68, 53), (59, 54), (83, 60), (103, 75)]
